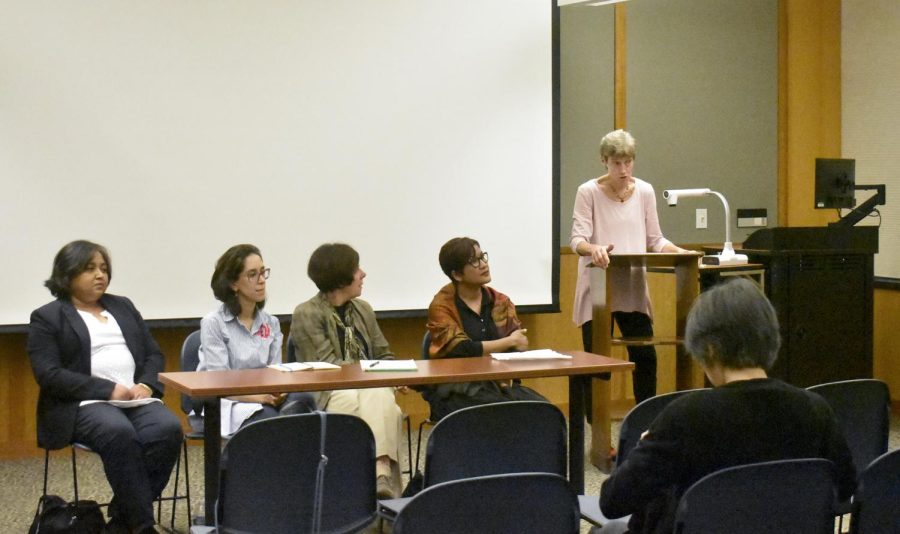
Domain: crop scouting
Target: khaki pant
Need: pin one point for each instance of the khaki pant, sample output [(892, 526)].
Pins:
[(378, 408)]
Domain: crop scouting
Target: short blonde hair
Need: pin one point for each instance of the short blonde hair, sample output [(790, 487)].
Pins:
[(617, 144)]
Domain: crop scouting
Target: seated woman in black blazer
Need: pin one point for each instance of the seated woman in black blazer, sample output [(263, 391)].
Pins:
[(97, 365)]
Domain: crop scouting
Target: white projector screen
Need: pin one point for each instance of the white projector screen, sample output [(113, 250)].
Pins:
[(170, 130)]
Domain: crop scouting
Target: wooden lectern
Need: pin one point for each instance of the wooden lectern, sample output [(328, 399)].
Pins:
[(687, 374)]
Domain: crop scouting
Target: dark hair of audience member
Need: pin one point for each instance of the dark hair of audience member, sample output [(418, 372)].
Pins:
[(332, 266), (455, 254), (228, 268), (72, 260), (733, 324)]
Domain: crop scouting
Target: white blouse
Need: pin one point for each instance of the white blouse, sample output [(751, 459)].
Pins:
[(110, 357)]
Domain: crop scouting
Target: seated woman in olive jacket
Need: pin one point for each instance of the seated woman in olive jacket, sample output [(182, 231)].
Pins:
[(97, 365), (337, 326)]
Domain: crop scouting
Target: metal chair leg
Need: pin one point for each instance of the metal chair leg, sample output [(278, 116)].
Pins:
[(74, 473), (46, 468), (409, 445), (187, 485), (419, 440)]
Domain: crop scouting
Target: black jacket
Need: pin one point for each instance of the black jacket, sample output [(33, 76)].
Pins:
[(59, 347)]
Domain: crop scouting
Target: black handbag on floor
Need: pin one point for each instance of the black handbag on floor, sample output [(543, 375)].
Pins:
[(56, 516)]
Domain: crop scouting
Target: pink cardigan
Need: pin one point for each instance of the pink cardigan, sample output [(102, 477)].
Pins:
[(632, 226)]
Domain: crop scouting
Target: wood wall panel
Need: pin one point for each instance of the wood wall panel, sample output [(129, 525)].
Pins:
[(887, 342), (809, 104)]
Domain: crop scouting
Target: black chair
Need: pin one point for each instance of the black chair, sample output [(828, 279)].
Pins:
[(174, 498), (73, 448), (193, 409), (795, 496), (635, 423), (638, 420), (503, 437), (292, 357), (426, 342), (877, 497), (492, 439), (521, 502), (863, 411), (268, 483)]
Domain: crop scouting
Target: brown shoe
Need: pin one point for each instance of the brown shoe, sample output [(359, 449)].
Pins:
[(383, 487)]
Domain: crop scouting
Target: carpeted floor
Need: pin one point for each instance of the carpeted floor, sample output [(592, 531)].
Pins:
[(22, 479)]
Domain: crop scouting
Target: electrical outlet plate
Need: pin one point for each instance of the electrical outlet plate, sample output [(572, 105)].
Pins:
[(701, 218)]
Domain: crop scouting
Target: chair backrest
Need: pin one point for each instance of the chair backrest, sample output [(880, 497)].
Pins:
[(291, 350), (190, 359), (638, 420), (877, 496), (795, 496), (491, 439), (863, 411), (426, 342), (540, 503), (268, 480)]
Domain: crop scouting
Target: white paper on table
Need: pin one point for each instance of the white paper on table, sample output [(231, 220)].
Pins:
[(303, 366), (539, 354), (388, 365)]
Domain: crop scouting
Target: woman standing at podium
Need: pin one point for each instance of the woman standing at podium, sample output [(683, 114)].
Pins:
[(618, 212)]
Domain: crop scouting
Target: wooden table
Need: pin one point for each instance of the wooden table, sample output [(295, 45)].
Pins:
[(211, 385)]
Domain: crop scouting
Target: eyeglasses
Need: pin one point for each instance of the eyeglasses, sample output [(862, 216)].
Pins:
[(255, 275), (475, 261)]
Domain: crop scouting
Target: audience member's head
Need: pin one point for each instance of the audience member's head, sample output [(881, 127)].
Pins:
[(72, 260), (333, 266), (733, 326)]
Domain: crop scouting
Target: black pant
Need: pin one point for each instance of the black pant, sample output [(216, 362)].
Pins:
[(295, 403), (632, 324), (491, 393), (138, 447)]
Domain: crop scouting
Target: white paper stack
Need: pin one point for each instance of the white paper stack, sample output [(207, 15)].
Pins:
[(539, 354)]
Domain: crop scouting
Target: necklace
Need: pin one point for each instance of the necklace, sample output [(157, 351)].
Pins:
[(623, 195)]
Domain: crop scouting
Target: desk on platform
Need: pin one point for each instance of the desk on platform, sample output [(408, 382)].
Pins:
[(211, 385)]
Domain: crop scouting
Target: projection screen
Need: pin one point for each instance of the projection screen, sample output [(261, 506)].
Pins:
[(170, 130)]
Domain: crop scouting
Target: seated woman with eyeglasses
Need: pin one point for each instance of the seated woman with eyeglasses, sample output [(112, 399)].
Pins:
[(337, 326), (241, 335), (97, 366), (468, 318)]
